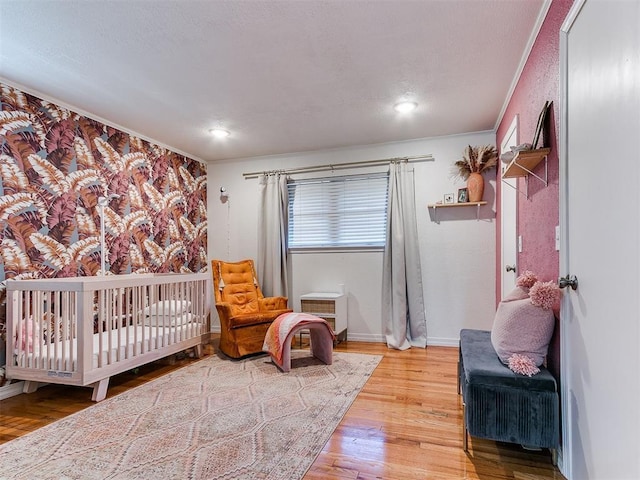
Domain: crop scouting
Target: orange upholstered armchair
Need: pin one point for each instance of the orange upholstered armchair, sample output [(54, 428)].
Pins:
[(245, 314)]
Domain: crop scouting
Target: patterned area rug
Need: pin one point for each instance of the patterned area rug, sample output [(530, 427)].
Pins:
[(214, 419)]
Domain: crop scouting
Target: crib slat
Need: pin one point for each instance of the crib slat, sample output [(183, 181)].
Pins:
[(135, 318), (128, 319), (165, 297), (99, 325), (144, 298), (109, 327), (117, 322), (29, 335), (32, 336), (47, 332), (84, 344), (59, 333)]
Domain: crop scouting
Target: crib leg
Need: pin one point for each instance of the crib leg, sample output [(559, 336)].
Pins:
[(100, 390), (30, 386), (198, 350)]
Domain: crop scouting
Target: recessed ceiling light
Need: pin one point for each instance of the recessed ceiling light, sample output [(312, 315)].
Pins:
[(219, 132), (404, 107)]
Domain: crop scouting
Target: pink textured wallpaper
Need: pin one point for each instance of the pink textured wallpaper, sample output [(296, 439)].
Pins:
[(54, 166), (538, 215)]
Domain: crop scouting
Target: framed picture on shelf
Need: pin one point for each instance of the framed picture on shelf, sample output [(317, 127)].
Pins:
[(540, 127), (463, 195), (449, 197)]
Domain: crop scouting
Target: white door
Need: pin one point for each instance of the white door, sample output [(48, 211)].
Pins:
[(508, 202), (600, 225)]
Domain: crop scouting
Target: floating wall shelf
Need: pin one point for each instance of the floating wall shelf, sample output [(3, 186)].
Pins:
[(523, 165), (435, 207)]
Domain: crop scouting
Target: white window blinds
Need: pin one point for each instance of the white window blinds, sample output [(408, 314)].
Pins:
[(338, 212)]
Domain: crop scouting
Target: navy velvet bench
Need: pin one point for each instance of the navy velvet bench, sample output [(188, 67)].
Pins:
[(501, 405)]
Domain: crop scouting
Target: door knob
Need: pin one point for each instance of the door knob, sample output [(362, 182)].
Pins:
[(568, 281), (511, 268)]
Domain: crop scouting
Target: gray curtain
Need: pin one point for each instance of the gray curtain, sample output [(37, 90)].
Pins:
[(403, 312), (272, 235)]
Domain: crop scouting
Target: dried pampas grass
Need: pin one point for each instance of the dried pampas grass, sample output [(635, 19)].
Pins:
[(475, 160)]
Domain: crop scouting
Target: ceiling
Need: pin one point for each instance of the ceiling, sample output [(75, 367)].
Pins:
[(281, 76)]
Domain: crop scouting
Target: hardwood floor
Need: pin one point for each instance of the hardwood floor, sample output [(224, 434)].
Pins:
[(406, 423)]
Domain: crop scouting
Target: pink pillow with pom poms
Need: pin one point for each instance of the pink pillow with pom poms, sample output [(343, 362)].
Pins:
[(526, 279), (523, 283), (544, 295), (525, 326), (523, 365), (518, 293)]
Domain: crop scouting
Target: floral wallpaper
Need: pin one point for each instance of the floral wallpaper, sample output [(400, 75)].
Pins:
[(55, 165)]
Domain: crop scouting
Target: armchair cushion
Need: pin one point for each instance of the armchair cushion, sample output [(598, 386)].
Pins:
[(242, 298), (245, 320)]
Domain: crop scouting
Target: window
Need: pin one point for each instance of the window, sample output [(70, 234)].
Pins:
[(338, 212)]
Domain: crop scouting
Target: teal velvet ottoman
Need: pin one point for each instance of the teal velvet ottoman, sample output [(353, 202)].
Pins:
[(502, 405)]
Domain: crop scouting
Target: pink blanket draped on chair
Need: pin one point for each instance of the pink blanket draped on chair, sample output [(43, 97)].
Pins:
[(283, 327)]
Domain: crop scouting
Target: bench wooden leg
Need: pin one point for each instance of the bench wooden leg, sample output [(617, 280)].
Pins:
[(465, 434), (100, 390)]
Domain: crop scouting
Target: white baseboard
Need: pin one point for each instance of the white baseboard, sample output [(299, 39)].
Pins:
[(365, 337), (11, 390), (443, 341), (373, 338), (357, 337), (379, 338)]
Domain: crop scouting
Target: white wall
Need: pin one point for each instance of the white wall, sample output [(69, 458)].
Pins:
[(457, 253)]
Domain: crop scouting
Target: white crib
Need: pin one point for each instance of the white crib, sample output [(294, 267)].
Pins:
[(83, 330)]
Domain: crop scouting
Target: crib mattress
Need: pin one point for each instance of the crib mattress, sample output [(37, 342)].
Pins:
[(125, 343)]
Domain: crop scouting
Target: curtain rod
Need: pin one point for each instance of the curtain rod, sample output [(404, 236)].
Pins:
[(342, 166)]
